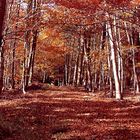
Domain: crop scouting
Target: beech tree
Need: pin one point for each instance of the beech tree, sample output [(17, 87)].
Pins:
[(31, 35), (2, 14)]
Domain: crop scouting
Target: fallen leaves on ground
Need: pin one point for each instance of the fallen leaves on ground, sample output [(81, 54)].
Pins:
[(62, 113)]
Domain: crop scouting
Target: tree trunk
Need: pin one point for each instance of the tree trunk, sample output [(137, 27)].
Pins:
[(76, 82), (13, 47), (66, 71), (2, 14), (136, 84), (110, 76), (88, 63), (30, 44), (81, 60), (32, 59), (114, 64)]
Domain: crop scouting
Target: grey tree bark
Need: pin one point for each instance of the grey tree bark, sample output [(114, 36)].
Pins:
[(2, 15)]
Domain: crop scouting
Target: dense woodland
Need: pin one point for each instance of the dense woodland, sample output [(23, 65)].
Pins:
[(89, 43), (69, 69)]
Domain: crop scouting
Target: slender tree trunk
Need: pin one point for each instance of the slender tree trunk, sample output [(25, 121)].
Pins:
[(32, 59), (44, 77), (13, 47), (120, 61), (76, 82), (27, 43), (110, 76), (136, 84), (30, 44), (81, 61), (114, 64), (26, 62), (66, 71), (70, 69), (2, 14), (74, 74), (88, 63)]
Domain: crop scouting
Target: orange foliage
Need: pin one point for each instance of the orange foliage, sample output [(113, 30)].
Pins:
[(91, 4), (50, 50), (78, 4)]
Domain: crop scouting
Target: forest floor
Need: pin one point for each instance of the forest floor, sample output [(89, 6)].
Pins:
[(60, 113)]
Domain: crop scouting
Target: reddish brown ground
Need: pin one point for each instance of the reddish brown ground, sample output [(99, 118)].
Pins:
[(68, 114)]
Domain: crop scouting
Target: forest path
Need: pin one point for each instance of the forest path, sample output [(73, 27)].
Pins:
[(60, 113)]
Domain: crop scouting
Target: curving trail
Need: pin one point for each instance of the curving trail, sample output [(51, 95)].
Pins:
[(67, 114)]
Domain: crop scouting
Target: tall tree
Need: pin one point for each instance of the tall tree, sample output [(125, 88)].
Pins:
[(2, 14), (31, 35)]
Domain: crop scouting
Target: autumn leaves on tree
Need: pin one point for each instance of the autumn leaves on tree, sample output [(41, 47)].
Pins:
[(88, 43)]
